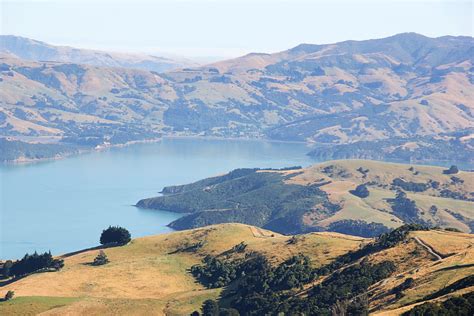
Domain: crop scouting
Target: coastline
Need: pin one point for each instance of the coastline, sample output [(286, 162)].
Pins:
[(80, 151), (98, 148)]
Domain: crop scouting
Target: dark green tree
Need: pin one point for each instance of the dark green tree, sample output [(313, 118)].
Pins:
[(210, 308), (9, 295), (115, 235), (360, 191), (101, 259), (452, 170), (6, 268), (229, 312)]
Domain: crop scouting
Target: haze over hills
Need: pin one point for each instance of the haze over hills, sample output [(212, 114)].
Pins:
[(410, 92), (34, 50)]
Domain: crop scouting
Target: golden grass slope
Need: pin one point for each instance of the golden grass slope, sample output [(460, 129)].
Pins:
[(149, 275), (429, 274), (344, 176)]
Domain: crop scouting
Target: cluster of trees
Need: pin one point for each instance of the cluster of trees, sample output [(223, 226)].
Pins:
[(292, 273), (455, 306), (31, 263), (212, 308), (358, 228), (243, 196), (11, 150), (360, 191), (348, 283), (384, 241), (257, 293), (215, 272), (115, 235), (452, 170), (263, 289), (101, 259), (405, 209), (410, 186)]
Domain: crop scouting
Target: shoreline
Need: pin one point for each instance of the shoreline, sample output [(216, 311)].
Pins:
[(98, 148), (26, 161)]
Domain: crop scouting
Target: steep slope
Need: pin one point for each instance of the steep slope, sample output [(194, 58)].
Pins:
[(324, 197), (151, 275), (33, 50)]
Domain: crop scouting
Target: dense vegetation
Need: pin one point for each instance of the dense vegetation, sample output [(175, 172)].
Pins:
[(244, 196), (115, 235), (13, 150), (410, 186), (258, 288), (292, 273), (406, 209), (32, 263), (459, 284), (358, 228), (384, 241), (455, 306), (361, 191), (298, 202), (452, 170), (394, 149)]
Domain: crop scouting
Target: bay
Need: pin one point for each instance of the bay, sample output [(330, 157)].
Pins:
[(64, 205)]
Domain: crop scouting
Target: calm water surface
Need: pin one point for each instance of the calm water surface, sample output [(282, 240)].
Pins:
[(63, 205)]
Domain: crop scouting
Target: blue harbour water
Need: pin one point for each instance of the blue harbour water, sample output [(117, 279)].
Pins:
[(63, 205)]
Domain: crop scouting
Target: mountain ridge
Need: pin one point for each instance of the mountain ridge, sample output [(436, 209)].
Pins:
[(406, 86), (34, 50)]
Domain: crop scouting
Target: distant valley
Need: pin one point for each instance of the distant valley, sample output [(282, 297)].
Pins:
[(407, 95)]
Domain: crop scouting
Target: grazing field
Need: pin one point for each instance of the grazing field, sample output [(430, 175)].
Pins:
[(150, 274)]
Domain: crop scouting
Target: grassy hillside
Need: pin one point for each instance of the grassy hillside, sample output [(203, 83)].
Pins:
[(407, 87), (321, 197), (151, 275)]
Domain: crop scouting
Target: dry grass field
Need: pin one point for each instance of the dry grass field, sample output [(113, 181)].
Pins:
[(150, 275), (344, 175)]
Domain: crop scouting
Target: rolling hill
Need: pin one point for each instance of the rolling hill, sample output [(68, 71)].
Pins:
[(151, 275), (33, 50), (406, 91), (324, 197)]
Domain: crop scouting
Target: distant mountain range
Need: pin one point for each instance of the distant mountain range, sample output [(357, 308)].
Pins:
[(33, 50), (402, 87)]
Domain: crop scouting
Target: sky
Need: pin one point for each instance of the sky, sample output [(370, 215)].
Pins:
[(226, 28)]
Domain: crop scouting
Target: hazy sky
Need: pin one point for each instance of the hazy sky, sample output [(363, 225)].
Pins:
[(227, 27)]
